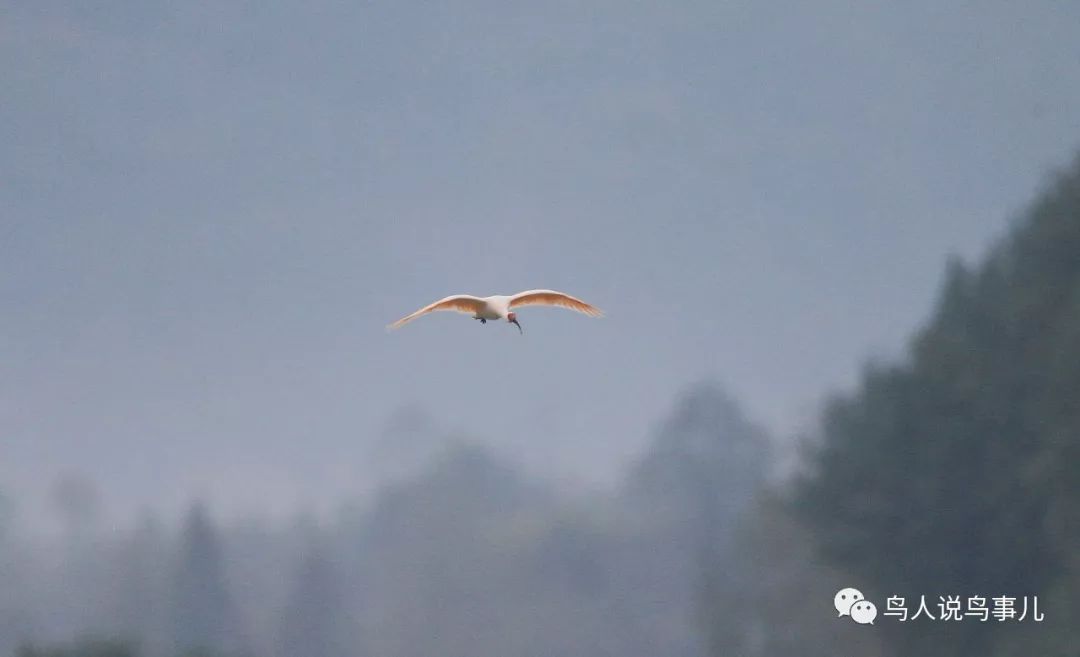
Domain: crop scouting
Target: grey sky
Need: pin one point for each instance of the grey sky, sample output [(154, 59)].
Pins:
[(209, 211)]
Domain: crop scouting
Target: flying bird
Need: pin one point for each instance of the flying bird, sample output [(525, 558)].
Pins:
[(501, 306)]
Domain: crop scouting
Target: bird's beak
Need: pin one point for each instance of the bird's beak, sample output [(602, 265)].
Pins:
[(515, 322)]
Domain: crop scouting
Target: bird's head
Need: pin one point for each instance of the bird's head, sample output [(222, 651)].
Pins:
[(512, 318)]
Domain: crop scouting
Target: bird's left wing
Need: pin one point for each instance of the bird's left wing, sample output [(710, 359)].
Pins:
[(462, 303), (553, 298)]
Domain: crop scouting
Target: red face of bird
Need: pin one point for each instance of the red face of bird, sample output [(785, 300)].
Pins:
[(512, 318)]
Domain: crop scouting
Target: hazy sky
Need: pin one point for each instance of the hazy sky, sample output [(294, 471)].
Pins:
[(209, 211)]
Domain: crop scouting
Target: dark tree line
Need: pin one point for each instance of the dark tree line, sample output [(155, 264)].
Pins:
[(958, 469)]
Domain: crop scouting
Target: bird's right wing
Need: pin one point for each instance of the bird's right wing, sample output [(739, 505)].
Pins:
[(462, 303), (554, 298)]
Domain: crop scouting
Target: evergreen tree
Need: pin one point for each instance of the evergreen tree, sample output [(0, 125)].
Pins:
[(203, 617), (703, 467), (138, 597), (315, 623), (955, 472), (692, 487)]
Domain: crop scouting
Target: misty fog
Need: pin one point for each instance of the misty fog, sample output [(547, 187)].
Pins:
[(835, 244)]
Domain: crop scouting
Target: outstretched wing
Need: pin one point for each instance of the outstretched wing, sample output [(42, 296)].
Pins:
[(553, 298), (462, 303)]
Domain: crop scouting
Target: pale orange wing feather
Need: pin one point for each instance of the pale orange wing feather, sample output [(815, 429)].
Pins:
[(553, 298), (462, 303)]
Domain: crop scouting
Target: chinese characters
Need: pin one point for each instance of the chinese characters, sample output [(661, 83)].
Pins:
[(954, 608)]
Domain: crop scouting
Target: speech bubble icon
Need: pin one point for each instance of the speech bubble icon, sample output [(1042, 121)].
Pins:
[(863, 612), (844, 598)]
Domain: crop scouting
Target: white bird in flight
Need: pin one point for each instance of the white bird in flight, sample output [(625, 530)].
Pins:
[(501, 306)]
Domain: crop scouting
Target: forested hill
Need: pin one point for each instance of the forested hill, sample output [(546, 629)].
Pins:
[(957, 471)]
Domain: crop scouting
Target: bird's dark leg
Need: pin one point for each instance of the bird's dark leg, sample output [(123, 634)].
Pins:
[(482, 320)]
